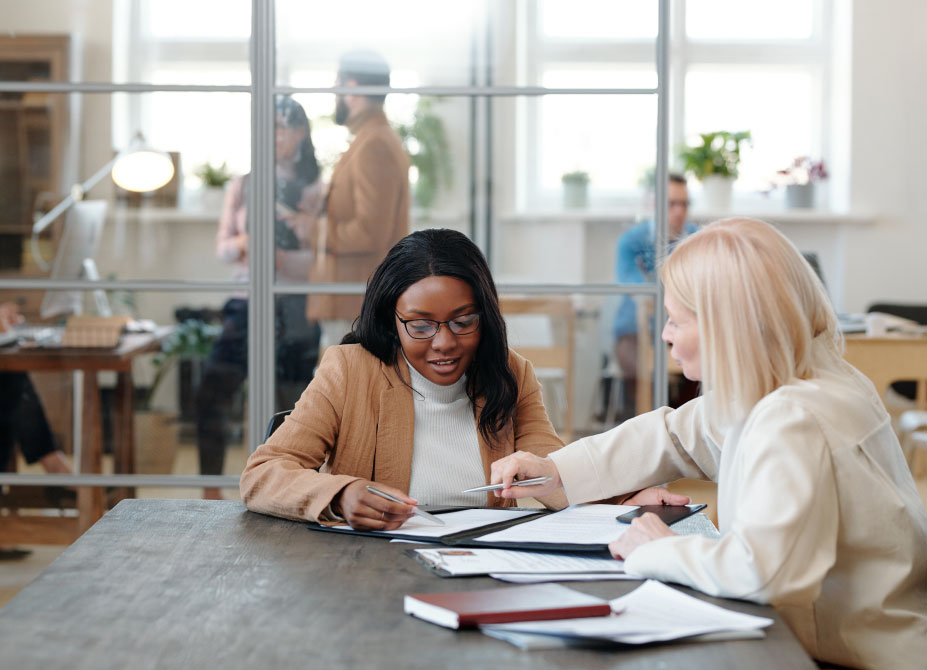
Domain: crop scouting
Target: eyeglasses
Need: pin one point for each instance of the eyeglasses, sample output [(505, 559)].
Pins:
[(425, 329), (678, 203)]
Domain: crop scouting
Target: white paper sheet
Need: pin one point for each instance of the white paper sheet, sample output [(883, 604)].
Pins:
[(466, 561), (455, 522), (577, 524), (538, 577), (653, 612)]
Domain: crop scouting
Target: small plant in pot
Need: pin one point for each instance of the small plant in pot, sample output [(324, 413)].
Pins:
[(575, 188), (799, 180), (715, 162), (214, 178)]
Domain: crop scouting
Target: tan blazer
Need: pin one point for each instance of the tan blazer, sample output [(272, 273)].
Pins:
[(367, 212), (356, 417)]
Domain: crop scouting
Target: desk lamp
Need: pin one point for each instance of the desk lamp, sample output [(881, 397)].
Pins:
[(137, 168)]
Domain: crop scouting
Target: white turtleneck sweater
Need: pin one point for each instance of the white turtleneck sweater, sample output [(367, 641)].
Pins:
[(446, 452)]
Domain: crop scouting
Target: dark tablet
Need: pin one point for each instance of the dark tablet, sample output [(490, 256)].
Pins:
[(669, 514)]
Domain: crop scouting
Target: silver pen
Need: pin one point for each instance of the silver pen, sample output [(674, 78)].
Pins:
[(415, 510), (520, 482)]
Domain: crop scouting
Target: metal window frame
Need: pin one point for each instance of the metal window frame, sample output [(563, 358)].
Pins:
[(261, 287)]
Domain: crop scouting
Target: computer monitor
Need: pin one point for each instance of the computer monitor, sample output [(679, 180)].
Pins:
[(80, 241)]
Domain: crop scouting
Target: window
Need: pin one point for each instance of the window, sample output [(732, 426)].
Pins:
[(733, 66)]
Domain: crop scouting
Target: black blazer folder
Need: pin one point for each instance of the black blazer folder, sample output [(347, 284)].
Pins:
[(468, 538)]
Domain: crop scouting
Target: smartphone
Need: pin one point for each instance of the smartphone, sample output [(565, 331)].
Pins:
[(669, 514)]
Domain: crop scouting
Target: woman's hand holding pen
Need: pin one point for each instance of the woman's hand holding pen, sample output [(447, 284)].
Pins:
[(367, 511), (523, 465)]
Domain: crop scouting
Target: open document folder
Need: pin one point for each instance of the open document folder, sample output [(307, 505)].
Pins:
[(576, 528), (653, 612)]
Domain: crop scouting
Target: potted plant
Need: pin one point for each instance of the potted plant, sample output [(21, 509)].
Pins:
[(799, 179), (575, 189), (214, 178), (157, 431), (714, 162), (425, 140), (191, 339)]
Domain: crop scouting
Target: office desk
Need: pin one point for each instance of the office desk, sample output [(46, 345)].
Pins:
[(891, 358), (119, 359), (206, 584)]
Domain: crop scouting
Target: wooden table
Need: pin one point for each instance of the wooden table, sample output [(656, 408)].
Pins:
[(891, 358), (90, 503), (206, 584)]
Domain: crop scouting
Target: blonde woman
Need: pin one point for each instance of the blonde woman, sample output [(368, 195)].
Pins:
[(818, 512)]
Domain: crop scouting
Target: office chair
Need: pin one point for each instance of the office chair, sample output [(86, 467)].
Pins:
[(917, 313), (542, 329), (275, 422)]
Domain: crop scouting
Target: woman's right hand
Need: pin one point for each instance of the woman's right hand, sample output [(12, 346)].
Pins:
[(364, 510), (9, 316), (524, 465)]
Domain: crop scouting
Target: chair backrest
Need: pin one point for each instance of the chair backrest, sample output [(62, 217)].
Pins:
[(916, 313), (275, 422), (543, 330)]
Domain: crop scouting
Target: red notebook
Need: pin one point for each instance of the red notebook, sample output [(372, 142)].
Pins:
[(533, 602)]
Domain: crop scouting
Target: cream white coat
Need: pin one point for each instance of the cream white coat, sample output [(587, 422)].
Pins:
[(818, 512)]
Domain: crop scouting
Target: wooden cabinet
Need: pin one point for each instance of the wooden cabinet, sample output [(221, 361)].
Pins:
[(33, 133)]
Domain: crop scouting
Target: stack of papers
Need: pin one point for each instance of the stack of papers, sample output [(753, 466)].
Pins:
[(520, 566), (653, 612)]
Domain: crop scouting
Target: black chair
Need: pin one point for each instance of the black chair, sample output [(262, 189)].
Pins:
[(917, 313), (275, 422)]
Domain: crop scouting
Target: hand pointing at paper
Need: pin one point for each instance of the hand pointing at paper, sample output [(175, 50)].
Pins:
[(524, 465)]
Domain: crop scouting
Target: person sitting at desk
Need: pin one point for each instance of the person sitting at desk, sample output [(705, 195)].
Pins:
[(22, 418), (420, 397), (635, 263), (818, 511)]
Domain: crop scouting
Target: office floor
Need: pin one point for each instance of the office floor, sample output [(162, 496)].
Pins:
[(16, 574)]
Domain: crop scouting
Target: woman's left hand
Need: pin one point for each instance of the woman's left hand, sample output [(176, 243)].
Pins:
[(657, 495), (643, 529)]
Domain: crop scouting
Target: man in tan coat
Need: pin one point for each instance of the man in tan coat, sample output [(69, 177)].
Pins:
[(367, 210)]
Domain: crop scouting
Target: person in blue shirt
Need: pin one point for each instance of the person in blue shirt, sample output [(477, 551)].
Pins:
[(635, 263)]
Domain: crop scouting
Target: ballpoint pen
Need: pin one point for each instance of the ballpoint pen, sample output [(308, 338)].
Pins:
[(415, 510), (520, 482)]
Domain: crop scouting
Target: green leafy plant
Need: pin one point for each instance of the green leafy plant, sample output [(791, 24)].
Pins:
[(213, 175), (576, 177), (425, 140), (718, 154), (192, 338)]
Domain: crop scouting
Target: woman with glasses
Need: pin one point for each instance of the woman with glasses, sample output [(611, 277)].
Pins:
[(420, 398)]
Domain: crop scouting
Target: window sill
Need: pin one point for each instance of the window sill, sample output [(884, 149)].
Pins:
[(811, 216)]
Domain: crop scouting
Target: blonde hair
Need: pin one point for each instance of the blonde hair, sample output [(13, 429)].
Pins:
[(763, 314)]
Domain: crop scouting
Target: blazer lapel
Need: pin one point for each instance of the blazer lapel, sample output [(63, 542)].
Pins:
[(395, 428)]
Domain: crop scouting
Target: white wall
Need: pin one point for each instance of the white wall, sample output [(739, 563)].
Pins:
[(887, 142), (888, 259)]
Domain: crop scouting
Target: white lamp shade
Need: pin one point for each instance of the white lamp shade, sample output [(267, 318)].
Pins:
[(143, 170)]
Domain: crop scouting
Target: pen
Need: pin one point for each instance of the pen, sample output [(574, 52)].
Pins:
[(415, 510), (520, 482)]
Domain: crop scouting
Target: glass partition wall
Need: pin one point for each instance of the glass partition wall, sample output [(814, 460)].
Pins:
[(510, 140)]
